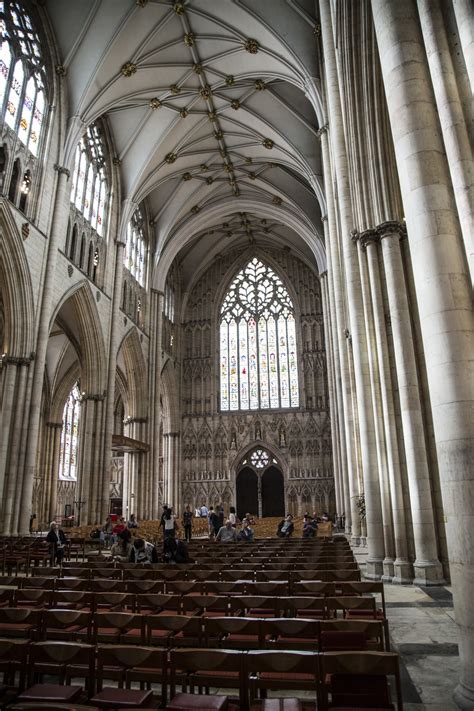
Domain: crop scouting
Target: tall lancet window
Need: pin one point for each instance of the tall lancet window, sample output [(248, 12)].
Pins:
[(89, 188), (22, 75), (258, 361), (69, 435), (134, 256)]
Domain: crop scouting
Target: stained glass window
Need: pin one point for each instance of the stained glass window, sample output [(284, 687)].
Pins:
[(258, 362), (134, 257), (22, 75), (89, 180), (69, 435)]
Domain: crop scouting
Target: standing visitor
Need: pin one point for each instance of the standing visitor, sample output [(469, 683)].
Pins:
[(187, 522), (57, 543)]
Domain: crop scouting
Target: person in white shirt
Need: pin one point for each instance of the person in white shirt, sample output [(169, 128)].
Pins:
[(232, 516), (226, 534), (203, 511)]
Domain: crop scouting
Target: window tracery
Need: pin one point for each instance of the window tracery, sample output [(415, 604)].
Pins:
[(258, 361), (135, 248), (89, 182), (70, 435), (22, 76)]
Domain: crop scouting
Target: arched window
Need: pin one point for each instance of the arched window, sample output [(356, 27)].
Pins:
[(89, 181), (69, 435), (258, 363), (135, 249), (22, 75)]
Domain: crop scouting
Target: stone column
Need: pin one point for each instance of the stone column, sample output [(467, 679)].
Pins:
[(53, 434), (443, 292), (355, 308), (58, 230), (451, 117), (347, 427), (333, 404), (18, 414), (154, 390), (104, 493), (385, 493), (463, 14), (428, 570), (403, 572)]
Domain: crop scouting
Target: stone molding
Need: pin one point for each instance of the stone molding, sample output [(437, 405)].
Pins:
[(391, 227), (62, 170)]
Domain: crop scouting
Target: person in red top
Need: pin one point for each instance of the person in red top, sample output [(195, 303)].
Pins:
[(119, 527)]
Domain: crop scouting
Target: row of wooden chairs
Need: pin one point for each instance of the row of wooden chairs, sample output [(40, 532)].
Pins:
[(210, 629), (332, 678)]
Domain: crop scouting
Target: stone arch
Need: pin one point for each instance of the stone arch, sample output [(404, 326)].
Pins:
[(78, 316), (170, 399), (135, 371), (16, 289)]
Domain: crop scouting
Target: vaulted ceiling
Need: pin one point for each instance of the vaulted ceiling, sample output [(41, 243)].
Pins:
[(213, 107)]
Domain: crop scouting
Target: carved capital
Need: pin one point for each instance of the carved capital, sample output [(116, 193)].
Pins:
[(324, 218), (6, 359), (54, 425), (62, 170), (391, 228), (368, 237), (323, 129), (96, 397), (354, 235)]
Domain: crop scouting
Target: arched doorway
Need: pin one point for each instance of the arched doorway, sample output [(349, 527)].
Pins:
[(247, 492), (273, 492), (260, 485)]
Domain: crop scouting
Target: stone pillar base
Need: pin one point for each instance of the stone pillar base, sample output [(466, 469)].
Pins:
[(374, 569), (403, 573), (355, 541), (464, 697), (388, 570), (428, 573), (363, 541)]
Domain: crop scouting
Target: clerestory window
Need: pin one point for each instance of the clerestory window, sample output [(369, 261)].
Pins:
[(89, 182), (70, 435), (258, 360), (135, 248), (22, 75)]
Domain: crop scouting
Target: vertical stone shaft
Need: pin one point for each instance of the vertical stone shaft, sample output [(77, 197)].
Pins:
[(451, 117), (58, 230), (366, 425), (426, 566), (443, 291), (402, 567), (347, 424)]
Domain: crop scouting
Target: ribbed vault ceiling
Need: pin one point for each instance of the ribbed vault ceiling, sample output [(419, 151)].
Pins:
[(208, 105)]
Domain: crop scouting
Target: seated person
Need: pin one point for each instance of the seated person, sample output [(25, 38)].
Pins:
[(57, 542), (325, 516), (246, 532), (143, 552), (122, 548), (227, 533), (119, 526), (132, 522), (286, 527), (175, 551), (310, 526), (95, 534)]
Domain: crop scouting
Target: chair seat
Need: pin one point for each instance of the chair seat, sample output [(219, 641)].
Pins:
[(192, 702), (51, 693), (113, 698), (281, 705)]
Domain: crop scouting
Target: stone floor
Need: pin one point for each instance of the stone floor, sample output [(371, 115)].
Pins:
[(423, 631)]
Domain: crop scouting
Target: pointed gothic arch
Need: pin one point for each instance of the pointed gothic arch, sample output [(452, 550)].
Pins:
[(135, 368)]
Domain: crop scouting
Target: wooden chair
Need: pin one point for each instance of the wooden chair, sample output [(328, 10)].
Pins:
[(156, 603), (64, 660), (313, 607), (51, 707), (121, 663), (113, 601), (281, 670), (353, 605), (202, 669), (37, 582), (137, 586), (233, 632), (173, 630), (118, 627), (106, 585), (254, 606), (73, 600), (338, 635), (13, 660), (206, 605), (291, 633), (33, 598), (359, 679), (66, 625), (20, 622), (183, 587)]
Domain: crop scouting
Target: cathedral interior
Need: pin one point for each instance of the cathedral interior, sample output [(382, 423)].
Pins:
[(236, 268)]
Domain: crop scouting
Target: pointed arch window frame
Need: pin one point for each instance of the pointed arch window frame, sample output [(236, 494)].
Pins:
[(258, 359), (90, 184), (69, 444), (23, 94)]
